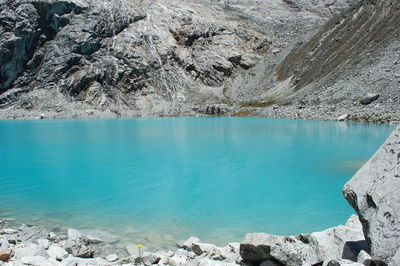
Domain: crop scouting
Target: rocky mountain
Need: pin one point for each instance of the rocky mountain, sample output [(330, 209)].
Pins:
[(77, 58)]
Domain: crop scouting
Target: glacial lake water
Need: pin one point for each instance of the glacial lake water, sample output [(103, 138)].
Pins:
[(158, 180)]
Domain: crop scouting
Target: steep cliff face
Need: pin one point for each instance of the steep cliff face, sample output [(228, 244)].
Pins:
[(141, 57)]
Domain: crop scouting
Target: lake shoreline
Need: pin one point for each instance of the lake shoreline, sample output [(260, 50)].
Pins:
[(34, 245), (322, 113)]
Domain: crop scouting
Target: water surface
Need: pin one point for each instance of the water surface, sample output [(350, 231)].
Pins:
[(164, 179)]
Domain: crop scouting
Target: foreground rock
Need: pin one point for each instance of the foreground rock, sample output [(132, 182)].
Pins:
[(341, 242), (374, 194), (340, 245)]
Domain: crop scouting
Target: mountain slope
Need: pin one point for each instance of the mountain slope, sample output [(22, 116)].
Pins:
[(79, 58)]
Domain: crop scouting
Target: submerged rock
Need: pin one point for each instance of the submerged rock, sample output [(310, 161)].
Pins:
[(374, 193)]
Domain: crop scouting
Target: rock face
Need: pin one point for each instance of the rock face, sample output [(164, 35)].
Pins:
[(374, 193), (145, 56)]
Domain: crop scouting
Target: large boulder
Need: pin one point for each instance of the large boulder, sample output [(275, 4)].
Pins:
[(29, 249), (78, 244), (374, 193), (288, 250), (340, 241)]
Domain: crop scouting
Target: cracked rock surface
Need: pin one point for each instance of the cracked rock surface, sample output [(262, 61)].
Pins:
[(374, 193)]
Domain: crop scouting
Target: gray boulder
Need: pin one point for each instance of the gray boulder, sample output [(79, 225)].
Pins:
[(369, 98), (148, 258), (288, 250), (57, 253), (374, 193), (29, 250), (31, 233), (340, 241), (78, 245)]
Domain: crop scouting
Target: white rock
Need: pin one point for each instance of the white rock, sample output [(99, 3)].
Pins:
[(57, 253), (374, 194), (148, 258), (8, 231), (329, 243), (354, 222), (4, 244), (44, 243), (132, 250), (177, 260), (290, 250), (29, 250), (209, 262), (229, 252), (74, 261), (364, 257), (35, 261), (112, 257), (73, 234), (343, 117), (189, 242), (97, 236), (200, 248), (52, 236)]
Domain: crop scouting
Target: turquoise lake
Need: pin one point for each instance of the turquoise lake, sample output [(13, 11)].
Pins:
[(158, 180)]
